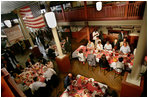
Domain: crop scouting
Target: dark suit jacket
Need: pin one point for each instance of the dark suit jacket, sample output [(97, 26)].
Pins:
[(27, 63), (104, 64), (67, 82), (116, 45), (120, 37)]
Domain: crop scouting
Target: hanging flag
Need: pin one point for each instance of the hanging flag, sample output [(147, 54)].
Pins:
[(32, 16)]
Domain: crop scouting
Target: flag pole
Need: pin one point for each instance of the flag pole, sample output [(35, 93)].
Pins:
[(27, 32)]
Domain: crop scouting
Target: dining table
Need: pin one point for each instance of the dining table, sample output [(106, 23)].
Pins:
[(85, 87), (111, 55)]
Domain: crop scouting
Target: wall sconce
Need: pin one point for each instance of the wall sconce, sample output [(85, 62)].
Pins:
[(8, 23), (99, 6)]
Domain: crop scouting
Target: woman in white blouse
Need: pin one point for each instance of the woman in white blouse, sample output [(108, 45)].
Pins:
[(108, 46), (81, 56), (99, 46)]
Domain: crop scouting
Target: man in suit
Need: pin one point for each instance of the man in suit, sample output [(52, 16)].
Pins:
[(121, 36), (67, 81), (29, 62)]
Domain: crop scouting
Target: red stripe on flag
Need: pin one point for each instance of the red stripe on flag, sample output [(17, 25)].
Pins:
[(25, 11), (35, 23), (37, 26), (33, 20)]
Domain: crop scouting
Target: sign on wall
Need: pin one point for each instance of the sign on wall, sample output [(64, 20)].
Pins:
[(13, 34)]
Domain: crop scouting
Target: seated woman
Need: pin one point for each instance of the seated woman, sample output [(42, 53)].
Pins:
[(115, 44), (108, 46), (103, 62), (119, 65), (97, 40), (90, 45), (99, 46), (124, 40), (81, 56)]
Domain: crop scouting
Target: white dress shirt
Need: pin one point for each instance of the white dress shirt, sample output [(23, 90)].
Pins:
[(95, 34), (108, 47), (99, 47), (81, 57), (48, 74), (36, 85), (125, 49)]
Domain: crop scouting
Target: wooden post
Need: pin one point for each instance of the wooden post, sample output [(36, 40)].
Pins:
[(27, 32), (126, 9), (85, 12), (63, 14), (56, 38)]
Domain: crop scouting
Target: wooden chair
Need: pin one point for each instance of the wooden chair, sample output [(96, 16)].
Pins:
[(118, 73)]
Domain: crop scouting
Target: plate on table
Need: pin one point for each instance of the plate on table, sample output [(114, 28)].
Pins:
[(74, 83), (90, 80), (78, 76)]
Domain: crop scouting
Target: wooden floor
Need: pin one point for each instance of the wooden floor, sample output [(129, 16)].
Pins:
[(83, 69)]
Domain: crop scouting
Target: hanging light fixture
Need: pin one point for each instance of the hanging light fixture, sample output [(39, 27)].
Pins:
[(50, 19), (99, 6), (8, 23)]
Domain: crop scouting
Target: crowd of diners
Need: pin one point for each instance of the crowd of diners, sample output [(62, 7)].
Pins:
[(120, 45), (37, 76), (40, 83)]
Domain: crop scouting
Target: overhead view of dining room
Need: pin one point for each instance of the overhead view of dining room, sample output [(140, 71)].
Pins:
[(74, 48)]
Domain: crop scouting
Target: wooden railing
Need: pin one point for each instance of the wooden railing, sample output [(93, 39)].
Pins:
[(116, 12)]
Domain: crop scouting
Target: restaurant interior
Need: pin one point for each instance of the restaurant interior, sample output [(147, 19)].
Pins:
[(73, 48)]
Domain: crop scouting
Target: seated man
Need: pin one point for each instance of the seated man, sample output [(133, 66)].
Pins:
[(108, 46), (42, 61), (36, 85), (67, 81), (51, 53), (103, 62), (119, 65), (48, 73), (125, 48), (29, 62)]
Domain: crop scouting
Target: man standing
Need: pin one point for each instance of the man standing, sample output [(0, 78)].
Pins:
[(121, 36)]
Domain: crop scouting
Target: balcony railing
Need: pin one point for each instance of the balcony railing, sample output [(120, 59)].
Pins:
[(129, 11)]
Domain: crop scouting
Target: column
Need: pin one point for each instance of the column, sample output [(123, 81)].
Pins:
[(86, 23), (141, 48), (133, 84), (27, 32), (56, 38)]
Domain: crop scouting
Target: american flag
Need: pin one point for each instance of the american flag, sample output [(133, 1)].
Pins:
[(32, 16)]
